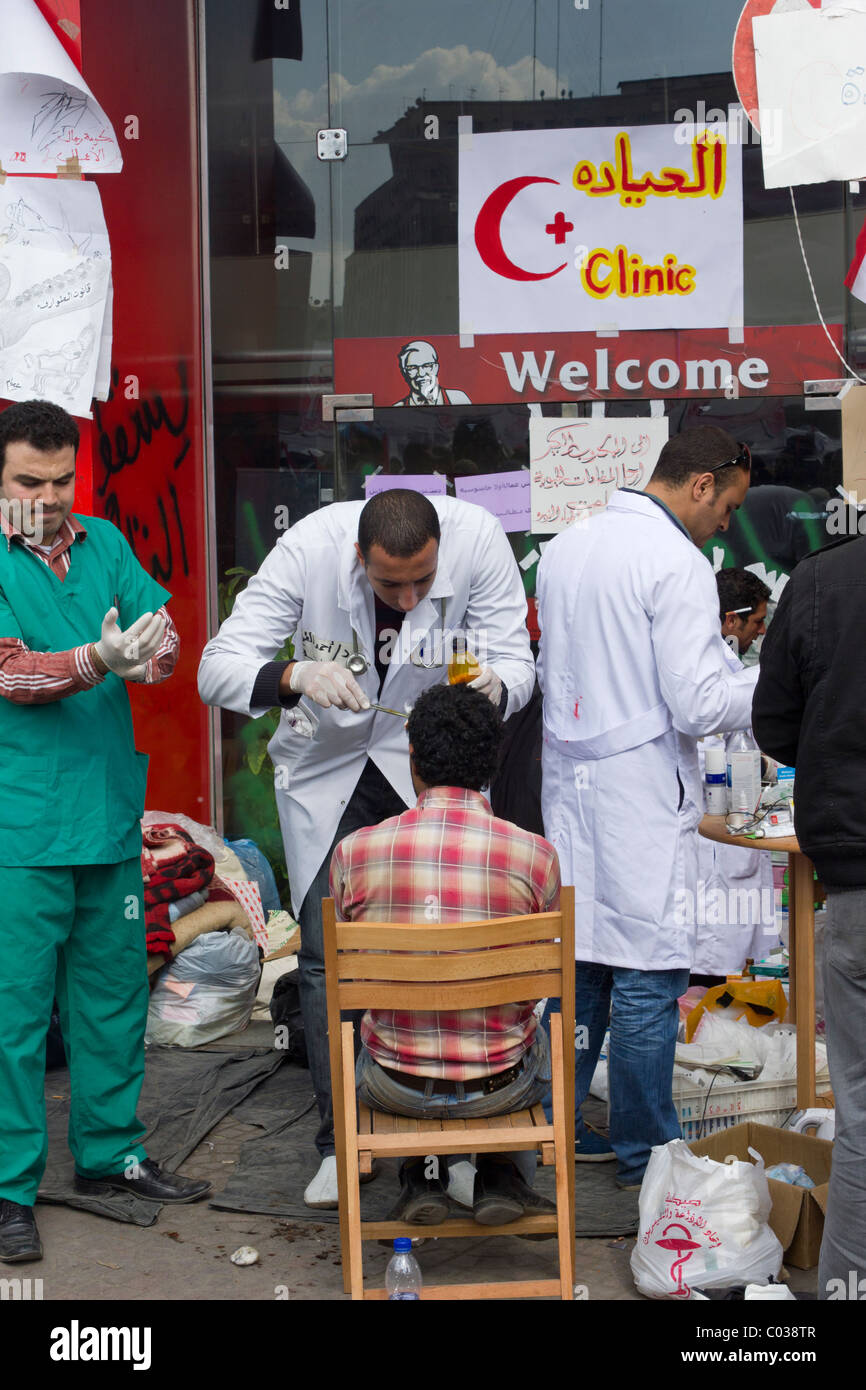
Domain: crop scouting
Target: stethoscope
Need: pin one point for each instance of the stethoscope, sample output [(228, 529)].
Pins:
[(359, 664)]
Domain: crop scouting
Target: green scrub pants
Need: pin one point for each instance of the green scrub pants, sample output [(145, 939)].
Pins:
[(78, 933)]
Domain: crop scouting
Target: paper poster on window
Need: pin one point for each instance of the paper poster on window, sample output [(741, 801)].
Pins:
[(505, 495), (55, 279), (606, 227), (576, 465), (48, 114), (431, 484), (811, 72)]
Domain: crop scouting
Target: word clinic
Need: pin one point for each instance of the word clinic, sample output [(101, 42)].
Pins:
[(662, 374), (604, 272)]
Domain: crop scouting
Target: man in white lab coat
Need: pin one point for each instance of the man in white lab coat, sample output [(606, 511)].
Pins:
[(634, 671), (370, 595)]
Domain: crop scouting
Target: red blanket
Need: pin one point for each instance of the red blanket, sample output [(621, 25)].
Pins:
[(173, 866)]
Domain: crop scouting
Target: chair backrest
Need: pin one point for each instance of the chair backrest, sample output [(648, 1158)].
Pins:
[(461, 965)]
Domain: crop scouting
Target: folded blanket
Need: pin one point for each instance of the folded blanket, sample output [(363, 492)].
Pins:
[(173, 867)]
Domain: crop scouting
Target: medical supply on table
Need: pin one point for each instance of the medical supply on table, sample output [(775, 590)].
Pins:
[(463, 666), (403, 1275), (785, 785), (743, 772), (715, 781)]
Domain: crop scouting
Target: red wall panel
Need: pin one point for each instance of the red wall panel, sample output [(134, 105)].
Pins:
[(148, 469)]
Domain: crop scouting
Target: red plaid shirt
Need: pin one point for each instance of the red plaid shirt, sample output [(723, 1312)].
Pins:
[(449, 859)]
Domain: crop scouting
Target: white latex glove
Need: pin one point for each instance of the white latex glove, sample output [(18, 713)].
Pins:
[(489, 684), (328, 683), (127, 653)]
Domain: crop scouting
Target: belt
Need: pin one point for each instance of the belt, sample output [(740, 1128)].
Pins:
[(445, 1084)]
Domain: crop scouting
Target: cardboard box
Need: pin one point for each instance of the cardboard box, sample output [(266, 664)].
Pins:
[(797, 1217)]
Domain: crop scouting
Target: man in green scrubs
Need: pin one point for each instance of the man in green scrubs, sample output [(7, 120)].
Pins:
[(78, 618)]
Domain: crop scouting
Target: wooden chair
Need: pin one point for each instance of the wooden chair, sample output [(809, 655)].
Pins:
[(395, 966)]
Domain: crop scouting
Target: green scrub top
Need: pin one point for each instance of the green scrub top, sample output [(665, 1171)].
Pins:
[(71, 782)]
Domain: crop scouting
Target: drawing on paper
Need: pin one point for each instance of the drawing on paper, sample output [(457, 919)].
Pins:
[(55, 279), (48, 114)]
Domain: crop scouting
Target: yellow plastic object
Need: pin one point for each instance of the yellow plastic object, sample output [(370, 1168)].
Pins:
[(462, 667), (758, 1001)]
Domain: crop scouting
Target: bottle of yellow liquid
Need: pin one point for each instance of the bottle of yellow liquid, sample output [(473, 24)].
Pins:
[(462, 667)]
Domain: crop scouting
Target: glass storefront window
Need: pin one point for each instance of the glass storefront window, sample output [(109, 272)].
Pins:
[(370, 247)]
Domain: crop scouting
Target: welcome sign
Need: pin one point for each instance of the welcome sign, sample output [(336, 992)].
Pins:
[(604, 228)]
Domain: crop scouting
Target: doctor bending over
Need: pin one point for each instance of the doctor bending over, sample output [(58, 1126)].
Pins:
[(634, 671), (370, 595)]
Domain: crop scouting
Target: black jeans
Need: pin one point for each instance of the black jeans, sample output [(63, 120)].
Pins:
[(372, 801)]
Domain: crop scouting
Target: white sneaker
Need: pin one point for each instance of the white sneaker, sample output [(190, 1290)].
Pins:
[(321, 1193)]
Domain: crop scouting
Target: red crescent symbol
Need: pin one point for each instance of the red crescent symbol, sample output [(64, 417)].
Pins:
[(488, 237)]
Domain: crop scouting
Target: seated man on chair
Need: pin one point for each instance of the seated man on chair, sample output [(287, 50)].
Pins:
[(449, 859)]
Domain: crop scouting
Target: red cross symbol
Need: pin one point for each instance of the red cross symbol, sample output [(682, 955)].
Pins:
[(558, 228)]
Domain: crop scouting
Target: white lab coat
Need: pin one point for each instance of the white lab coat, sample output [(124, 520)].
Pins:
[(312, 588), (633, 670)]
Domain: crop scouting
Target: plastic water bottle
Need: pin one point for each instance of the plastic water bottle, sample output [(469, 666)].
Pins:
[(743, 760), (403, 1275), (715, 790)]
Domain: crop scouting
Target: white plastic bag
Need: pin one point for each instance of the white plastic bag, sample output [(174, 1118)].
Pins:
[(205, 992), (702, 1224)]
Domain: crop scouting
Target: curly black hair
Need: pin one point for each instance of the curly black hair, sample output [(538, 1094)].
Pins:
[(455, 735), (40, 424)]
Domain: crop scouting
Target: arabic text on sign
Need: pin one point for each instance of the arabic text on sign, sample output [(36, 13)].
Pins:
[(619, 178)]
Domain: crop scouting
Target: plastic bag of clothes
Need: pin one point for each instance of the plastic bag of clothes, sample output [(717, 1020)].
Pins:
[(702, 1224), (206, 992)]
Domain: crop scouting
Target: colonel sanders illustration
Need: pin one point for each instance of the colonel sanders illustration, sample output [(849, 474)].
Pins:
[(419, 364)]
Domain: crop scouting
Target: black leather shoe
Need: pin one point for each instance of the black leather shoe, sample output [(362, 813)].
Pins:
[(501, 1195), (150, 1183), (422, 1200), (19, 1238)]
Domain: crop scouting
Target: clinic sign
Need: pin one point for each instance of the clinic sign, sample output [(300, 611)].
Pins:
[(515, 368), (604, 227)]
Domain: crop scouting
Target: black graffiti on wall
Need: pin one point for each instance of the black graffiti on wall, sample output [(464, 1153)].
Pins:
[(154, 443)]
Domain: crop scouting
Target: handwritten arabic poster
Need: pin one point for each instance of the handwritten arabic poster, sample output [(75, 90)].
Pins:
[(55, 275), (576, 465), (431, 484), (47, 111), (504, 495), (569, 230), (811, 71)]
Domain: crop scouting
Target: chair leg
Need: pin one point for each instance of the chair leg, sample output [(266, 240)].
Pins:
[(563, 1155), (353, 1192), (342, 1179)]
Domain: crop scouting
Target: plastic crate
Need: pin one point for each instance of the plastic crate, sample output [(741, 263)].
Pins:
[(729, 1102)]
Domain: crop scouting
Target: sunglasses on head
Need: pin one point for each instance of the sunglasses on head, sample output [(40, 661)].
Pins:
[(743, 460)]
